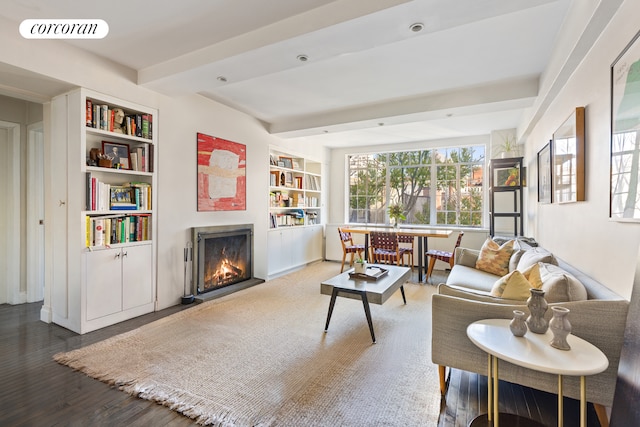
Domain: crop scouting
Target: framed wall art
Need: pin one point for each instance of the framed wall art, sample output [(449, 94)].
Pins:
[(625, 139), (568, 159), (222, 183), (545, 183)]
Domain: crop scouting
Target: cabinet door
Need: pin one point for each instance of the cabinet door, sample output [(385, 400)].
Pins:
[(274, 251), (137, 283), (103, 283), (313, 239), (279, 247)]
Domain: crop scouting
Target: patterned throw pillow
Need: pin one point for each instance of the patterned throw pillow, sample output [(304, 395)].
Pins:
[(516, 285), (494, 259)]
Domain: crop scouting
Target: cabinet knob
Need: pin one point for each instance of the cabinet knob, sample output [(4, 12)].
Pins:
[(117, 255), (124, 254), (61, 203)]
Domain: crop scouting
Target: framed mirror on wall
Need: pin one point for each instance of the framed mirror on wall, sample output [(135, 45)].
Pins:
[(568, 159), (625, 135)]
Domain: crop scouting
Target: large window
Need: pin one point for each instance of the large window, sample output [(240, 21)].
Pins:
[(434, 187)]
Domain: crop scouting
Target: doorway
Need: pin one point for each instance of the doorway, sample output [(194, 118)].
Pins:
[(35, 213), (10, 216), (22, 217)]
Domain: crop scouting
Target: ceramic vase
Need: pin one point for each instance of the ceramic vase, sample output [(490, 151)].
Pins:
[(561, 327), (537, 308), (518, 325), (360, 267)]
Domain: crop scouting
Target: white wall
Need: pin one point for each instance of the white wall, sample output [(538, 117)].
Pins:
[(581, 233), (179, 121)]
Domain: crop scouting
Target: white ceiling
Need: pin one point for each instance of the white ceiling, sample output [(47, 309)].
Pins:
[(369, 79)]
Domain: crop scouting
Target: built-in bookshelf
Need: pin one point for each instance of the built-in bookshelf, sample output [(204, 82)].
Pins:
[(110, 211), (295, 188), (295, 211), (119, 168)]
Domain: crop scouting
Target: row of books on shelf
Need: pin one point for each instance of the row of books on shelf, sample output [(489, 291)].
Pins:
[(113, 229), (115, 119), (278, 199), (312, 182), (101, 196), (293, 218), (286, 219), (142, 158)]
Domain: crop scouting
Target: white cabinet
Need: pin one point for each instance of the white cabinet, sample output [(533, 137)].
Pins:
[(279, 245), (104, 283), (118, 280), (137, 287), (104, 186), (292, 247)]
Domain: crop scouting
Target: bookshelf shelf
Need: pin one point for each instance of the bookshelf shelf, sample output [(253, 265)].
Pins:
[(109, 222), (98, 169)]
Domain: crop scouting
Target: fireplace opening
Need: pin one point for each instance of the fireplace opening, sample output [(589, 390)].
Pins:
[(223, 260)]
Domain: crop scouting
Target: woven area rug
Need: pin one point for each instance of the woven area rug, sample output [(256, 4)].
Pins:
[(260, 357)]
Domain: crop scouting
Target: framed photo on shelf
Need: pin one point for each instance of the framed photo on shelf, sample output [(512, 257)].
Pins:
[(506, 177), (287, 162), (288, 179), (117, 153), (275, 179), (545, 184), (625, 125)]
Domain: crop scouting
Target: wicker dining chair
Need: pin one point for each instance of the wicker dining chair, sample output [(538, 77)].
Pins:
[(384, 247), (433, 255), (348, 247)]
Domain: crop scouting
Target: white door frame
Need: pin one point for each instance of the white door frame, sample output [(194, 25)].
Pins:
[(10, 251), (35, 213)]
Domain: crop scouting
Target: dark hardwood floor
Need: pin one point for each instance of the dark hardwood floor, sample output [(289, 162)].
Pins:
[(36, 391)]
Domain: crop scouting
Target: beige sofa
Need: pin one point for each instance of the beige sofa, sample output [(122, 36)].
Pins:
[(465, 298)]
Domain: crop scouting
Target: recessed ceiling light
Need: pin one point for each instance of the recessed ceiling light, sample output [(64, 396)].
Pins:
[(417, 27), (222, 79), (303, 58)]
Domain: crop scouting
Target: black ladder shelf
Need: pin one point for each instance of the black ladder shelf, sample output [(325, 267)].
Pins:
[(505, 193)]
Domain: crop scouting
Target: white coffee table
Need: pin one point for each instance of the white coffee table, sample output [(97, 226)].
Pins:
[(533, 351), (376, 292)]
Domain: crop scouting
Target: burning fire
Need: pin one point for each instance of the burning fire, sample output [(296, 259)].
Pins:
[(226, 273)]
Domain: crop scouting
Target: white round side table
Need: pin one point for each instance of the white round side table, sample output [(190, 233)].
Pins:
[(533, 351)]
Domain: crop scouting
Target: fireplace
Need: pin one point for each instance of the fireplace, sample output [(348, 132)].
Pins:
[(222, 260)]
